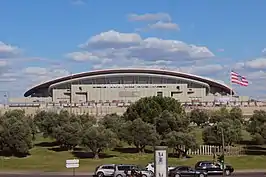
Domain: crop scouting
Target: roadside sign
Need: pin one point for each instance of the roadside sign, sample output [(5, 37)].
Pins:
[(74, 163)]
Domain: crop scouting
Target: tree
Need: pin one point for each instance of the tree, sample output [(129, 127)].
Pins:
[(15, 133), (112, 122), (46, 122), (212, 135), (97, 138), (181, 142), (236, 113), (140, 134), (257, 126), (149, 108), (199, 116), (68, 135), (170, 121), (228, 121), (219, 115)]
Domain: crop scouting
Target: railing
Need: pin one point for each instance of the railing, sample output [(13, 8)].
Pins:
[(207, 150)]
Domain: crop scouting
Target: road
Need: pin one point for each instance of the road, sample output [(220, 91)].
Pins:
[(255, 174)]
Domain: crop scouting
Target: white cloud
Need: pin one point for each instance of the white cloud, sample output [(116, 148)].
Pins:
[(164, 26), (112, 40), (149, 17), (118, 46), (83, 56), (7, 50), (258, 63)]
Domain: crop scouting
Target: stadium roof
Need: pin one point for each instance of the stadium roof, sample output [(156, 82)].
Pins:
[(211, 82)]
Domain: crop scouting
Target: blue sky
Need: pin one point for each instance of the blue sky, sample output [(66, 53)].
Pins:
[(42, 40)]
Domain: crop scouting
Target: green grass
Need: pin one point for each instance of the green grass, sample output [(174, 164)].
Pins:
[(47, 160)]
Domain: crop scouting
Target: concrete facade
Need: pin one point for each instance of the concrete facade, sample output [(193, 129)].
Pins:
[(129, 85)]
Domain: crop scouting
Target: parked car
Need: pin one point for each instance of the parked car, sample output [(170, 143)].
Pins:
[(186, 171), (214, 168), (150, 167), (105, 170), (120, 170)]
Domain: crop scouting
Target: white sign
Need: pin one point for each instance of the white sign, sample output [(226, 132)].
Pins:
[(72, 163), (161, 163)]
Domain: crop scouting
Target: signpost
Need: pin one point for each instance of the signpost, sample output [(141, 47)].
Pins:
[(74, 163), (161, 161)]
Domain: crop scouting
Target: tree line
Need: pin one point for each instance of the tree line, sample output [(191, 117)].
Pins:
[(149, 121)]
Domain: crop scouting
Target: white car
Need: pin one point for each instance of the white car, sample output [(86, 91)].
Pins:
[(150, 167), (106, 170)]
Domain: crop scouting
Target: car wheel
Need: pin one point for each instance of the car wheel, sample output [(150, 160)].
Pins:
[(144, 175), (201, 175), (177, 175), (227, 172), (119, 176), (100, 174)]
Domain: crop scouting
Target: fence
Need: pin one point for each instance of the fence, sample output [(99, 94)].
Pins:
[(210, 150)]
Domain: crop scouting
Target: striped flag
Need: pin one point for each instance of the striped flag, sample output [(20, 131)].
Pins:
[(238, 79)]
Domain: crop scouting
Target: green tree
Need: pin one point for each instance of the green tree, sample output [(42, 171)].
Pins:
[(236, 113), (97, 138), (140, 134), (68, 135), (181, 142), (219, 115), (171, 121), (112, 121), (15, 133), (46, 122), (228, 121), (149, 108), (212, 135), (199, 116), (64, 127), (257, 126)]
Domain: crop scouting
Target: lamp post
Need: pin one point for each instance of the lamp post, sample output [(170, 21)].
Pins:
[(6, 97), (222, 159)]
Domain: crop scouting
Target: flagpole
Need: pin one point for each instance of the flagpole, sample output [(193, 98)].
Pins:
[(231, 87)]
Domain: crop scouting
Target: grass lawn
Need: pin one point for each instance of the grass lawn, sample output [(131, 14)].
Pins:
[(45, 158)]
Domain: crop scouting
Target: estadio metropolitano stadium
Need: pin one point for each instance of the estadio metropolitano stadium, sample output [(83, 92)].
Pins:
[(124, 86)]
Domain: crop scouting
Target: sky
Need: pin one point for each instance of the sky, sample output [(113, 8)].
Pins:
[(43, 40)]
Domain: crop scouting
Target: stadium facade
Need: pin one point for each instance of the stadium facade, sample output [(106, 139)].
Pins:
[(128, 85)]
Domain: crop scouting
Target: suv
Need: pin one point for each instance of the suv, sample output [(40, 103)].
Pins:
[(105, 170), (121, 169), (214, 168)]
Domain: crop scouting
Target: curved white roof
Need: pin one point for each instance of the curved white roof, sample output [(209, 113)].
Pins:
[(209, 81)]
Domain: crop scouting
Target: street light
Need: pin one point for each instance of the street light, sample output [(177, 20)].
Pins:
[(222, 158), (6, 97)]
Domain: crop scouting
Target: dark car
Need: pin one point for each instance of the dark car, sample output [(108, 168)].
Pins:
[(214, 168), (186, 171)]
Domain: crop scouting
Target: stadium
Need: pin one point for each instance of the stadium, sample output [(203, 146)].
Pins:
[(124, 86)]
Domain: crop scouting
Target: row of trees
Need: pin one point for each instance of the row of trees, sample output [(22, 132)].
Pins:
[(149, 121)]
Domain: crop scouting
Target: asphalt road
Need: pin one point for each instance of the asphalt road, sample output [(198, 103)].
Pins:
[(77, 175)]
